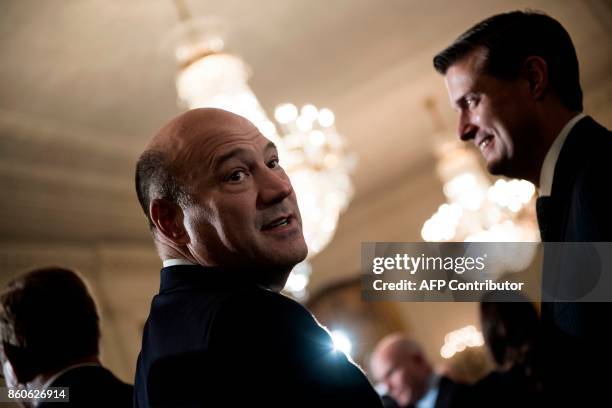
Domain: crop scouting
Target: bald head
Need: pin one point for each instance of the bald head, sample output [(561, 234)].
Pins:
[(396, 347), (398, 343), (196, 126), (400, 364)]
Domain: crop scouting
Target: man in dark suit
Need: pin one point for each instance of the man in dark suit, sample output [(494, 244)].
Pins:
[(226, 224), (399, 365), (50, 332), (514, 80)]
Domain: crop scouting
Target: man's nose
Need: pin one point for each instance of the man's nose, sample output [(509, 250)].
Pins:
[(274, 186), (466, 129)]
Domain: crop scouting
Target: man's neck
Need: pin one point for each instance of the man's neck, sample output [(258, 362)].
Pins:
[(277, 287), (167, 252)]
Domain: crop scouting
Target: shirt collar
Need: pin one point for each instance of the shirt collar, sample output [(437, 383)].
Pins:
[(176, 261), (192, 276), (429, 399), (550, 160)]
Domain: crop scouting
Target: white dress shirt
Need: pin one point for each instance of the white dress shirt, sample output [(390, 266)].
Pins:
[(550, 160), (176, 261)]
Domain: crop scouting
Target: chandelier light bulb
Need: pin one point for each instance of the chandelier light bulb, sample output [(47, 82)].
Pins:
[(317, 138), (326, 117), (309, 112), (285, 113), (303, 124)]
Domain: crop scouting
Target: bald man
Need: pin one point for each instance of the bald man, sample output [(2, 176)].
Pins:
[(399, 364), (225, 222)]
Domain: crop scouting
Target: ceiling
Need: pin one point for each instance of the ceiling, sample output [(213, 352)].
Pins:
[(85, 83)]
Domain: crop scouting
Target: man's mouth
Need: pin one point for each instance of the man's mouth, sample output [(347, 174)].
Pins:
[(485, 142), (277, 222)]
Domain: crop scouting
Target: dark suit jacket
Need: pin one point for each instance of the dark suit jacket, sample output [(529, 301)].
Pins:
[(450, 395), (214, 338), (92, 386), (509, 389), (578, 210), (449, 392)]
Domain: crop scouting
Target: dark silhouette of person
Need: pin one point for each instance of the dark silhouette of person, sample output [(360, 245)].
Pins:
[(49, 328)]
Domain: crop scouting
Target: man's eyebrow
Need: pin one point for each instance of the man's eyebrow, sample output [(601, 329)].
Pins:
[(462, 100), (457, 102), (270, 146), (227, 156), (218, 162)]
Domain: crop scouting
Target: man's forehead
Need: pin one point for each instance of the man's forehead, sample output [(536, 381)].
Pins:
[(228, 144), (228, 137), (383, 358), (464, 74), (210, 151)]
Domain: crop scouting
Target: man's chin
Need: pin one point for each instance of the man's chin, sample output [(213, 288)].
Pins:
[(274, 272), (404, 401), (293, 257), (507, 169), (294, 251), (497, 168)]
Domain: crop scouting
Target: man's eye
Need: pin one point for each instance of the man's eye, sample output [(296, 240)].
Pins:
[(236, 176), (471, 102), (273, 163)]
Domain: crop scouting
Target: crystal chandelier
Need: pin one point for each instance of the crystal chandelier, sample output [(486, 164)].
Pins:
[(313, 154)]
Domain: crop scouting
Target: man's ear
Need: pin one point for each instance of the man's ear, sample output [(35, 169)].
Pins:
[(535, 71), (168, 220)]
